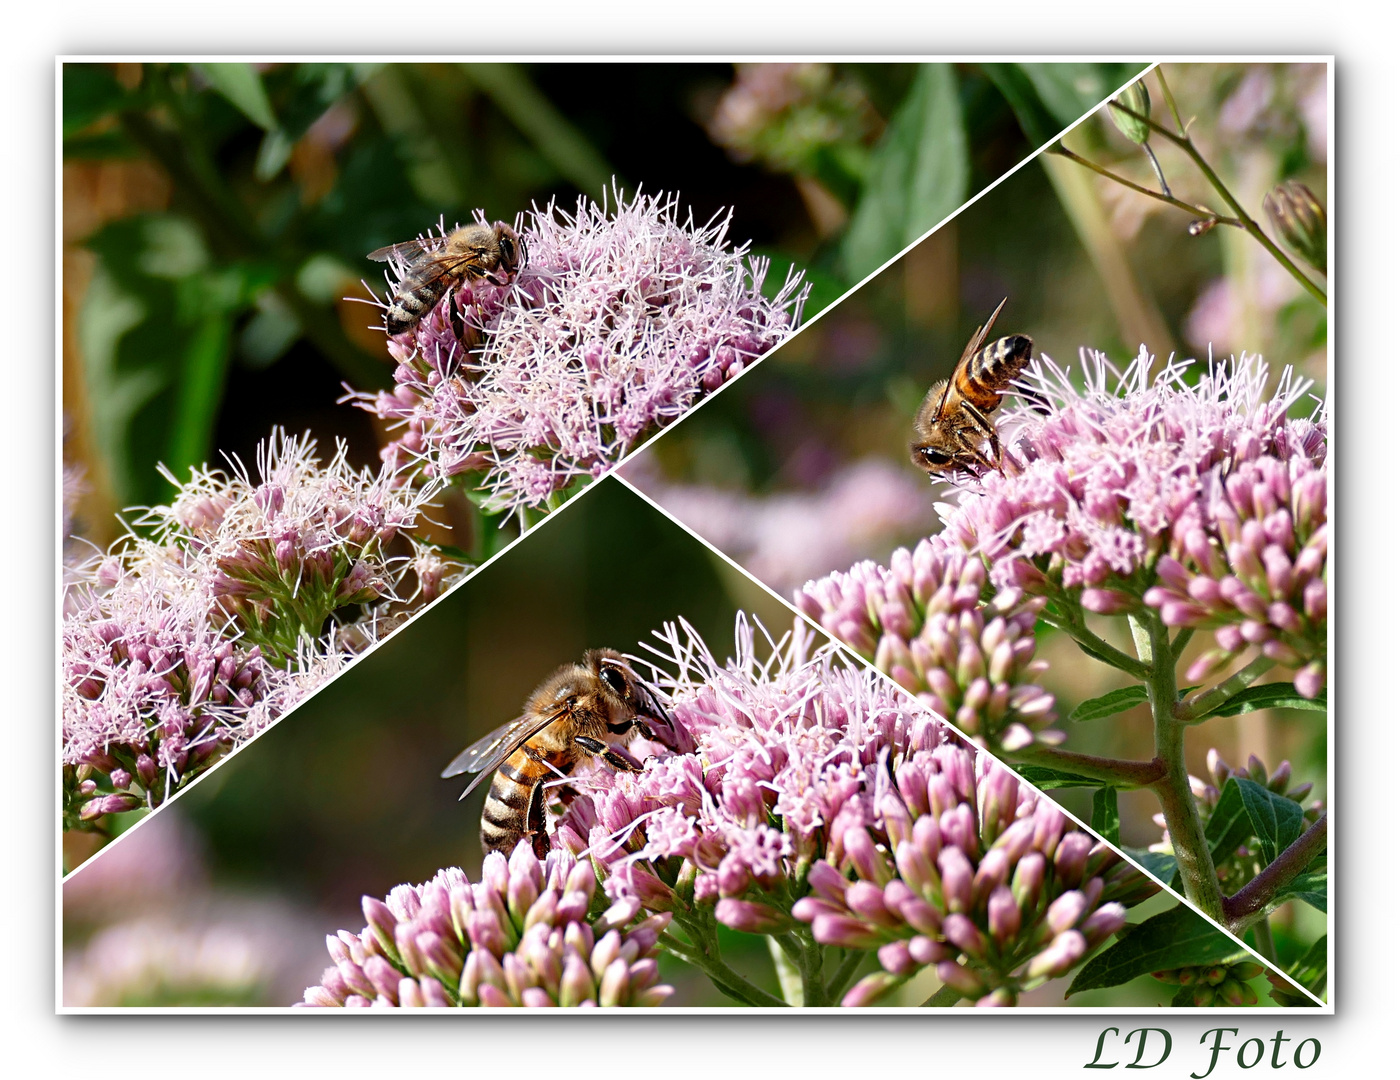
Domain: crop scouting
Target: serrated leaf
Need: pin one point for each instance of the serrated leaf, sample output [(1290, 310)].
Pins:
[(1110, 704), (918, 173), (1309, 887), (1275, 820), (1104, 818), (1159, 864), (1174, 939), (242, 86), (1271, 696), (1229, 825), (1048, 779)]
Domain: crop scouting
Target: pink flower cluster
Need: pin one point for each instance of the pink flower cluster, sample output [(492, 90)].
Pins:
[(810, 775), (521, 936), (977, 874), (179, 645), (1204, 501), (924, 622), (620, 320)]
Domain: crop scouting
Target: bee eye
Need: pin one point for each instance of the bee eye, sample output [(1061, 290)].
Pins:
[(615, 680), (935, 457), (507, 249)]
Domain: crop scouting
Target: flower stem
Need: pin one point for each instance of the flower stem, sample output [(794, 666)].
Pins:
[(1199, 706), (1249, 904), (1243, 220), (1173, 790), (1095, 646), (703, 953), (790, 975), (1118, 773), (841, 980), (1168, 198), (942, 998)]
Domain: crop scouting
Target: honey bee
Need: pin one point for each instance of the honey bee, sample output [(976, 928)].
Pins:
[(955, 418), (589, 709), (432, 266)]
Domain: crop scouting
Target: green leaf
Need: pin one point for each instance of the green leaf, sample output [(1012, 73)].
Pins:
[(242, 86), (1110, 704), (1174, 939), (1048, 779), (1309, 887), (1229, 825), (1159, 864), (90, 92), (1275, 820), (1271, 696), (1036, 121), (1104, 819), (918, 173), (1310, 969), (1069, 91)]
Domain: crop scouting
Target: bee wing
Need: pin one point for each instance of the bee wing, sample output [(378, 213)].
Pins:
[(978, 338), (486, 755), (408, 251)]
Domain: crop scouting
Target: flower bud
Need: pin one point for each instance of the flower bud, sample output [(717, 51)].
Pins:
[(1135, 98), (1300, 221)]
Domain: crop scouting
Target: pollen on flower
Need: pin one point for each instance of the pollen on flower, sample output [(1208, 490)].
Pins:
[(619, 322)]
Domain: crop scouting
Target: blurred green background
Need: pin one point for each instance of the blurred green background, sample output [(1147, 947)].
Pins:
[(1082, 262), (226, 895), (215, 216)]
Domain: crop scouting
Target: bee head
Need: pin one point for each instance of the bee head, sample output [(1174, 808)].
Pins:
[(930, 458)]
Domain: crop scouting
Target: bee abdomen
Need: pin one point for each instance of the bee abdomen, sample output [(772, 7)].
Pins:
[(410, 305), (991, 370)]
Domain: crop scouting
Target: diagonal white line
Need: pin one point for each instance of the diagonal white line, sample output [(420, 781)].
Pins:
[(853, 655)]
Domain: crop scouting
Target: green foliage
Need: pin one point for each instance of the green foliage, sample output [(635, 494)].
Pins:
[(1105, 820), (1174, 939), (1110, 704), (918, 173), (1271, 696)]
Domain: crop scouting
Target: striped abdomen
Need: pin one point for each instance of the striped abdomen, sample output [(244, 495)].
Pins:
[(989, 371), (515, 802), (412, 301)]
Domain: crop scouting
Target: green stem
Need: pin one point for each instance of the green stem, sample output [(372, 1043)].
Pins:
[(841, 980), (1118, 773), (1200, 705), (942, 998), (1264, 941), (788, 970), (1170, 99), (1095, 646), (703, 953), (1168, 198), (1245, 221), (1173, 790), (1180, 642)]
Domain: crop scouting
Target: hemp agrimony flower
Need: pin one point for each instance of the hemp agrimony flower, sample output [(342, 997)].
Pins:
[(820, 794), (1181, 505), (521, 936), (620, 320), (181, 644)]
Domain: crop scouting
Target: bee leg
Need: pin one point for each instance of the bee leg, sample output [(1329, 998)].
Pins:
[(614, 756), (989, 430), (534, 821)]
